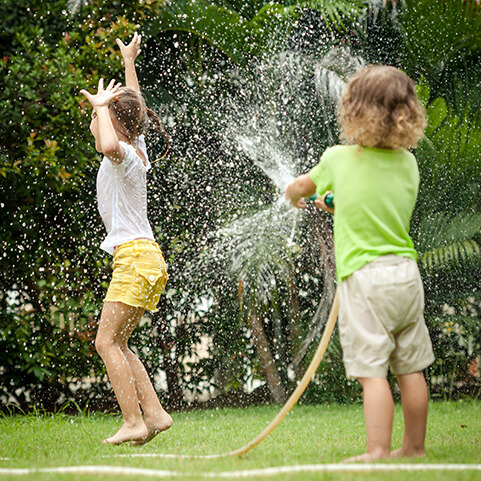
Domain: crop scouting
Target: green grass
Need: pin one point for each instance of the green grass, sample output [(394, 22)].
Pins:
[(309, 435)]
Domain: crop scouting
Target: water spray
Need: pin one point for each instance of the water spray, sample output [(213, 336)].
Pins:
[(306, 379)]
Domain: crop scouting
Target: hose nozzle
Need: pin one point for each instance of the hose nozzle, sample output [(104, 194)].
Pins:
[(329, 199)]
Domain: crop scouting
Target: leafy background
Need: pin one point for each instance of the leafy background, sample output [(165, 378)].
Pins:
[(243, 284)]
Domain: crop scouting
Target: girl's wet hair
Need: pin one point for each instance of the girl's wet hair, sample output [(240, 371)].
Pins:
[(380, 109), (133, 116)]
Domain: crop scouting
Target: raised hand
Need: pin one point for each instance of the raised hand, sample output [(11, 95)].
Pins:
[(132, 50), (103, 97)]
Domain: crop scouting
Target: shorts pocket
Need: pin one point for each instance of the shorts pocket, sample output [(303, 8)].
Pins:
[(150, 274)]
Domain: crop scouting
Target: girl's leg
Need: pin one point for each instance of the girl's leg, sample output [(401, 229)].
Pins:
[(415, 400), (155, 417), (116, 317), (378, 416)]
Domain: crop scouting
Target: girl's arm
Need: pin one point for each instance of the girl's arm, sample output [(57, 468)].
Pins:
[(109, 143), (302, 187), (129, 54), (102, 126)]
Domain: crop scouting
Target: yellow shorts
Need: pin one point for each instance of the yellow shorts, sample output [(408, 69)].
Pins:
[(139, 274)]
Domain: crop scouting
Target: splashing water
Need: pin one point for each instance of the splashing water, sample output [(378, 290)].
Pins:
[(258, 125), (268, 156), (264, 127)]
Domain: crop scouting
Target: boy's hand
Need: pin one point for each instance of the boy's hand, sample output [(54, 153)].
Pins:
[(103, 97), (299, 188), (320, 202), (298, 203), (132, 50)]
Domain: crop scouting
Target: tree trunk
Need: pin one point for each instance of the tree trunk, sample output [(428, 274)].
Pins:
[(266, 359), (171, 367), (295, 336)]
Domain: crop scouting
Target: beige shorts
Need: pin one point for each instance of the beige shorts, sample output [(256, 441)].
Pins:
[(381, 320)]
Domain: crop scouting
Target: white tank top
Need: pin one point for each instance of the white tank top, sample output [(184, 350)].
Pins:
[(122, 197)]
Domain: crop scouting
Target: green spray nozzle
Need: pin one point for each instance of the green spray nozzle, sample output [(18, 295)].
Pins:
[(329, 200)]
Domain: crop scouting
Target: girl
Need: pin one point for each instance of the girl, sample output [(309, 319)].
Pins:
[(139, 272), (375, 182)]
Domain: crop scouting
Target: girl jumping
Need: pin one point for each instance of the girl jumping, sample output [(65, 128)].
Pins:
[(139, 276)]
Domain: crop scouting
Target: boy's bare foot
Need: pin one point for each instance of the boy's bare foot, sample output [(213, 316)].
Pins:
[(408, 453), (155, 425), (367, 457), (127, 433)]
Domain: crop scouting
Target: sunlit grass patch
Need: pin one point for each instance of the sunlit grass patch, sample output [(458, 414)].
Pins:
[(309, 435)]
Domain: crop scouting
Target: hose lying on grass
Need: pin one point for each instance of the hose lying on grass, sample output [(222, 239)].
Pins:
[(301, 387)]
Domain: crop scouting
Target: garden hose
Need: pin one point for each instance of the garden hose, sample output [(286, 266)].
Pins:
[(301, 387)]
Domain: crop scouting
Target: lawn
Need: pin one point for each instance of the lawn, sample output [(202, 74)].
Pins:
[(310, 435)]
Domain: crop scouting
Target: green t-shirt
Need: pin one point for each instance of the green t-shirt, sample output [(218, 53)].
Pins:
[(374, 195)]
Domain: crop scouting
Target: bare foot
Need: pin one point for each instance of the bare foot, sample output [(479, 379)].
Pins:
[(155, 425), (127, 433), (408, 453), (367, 457)]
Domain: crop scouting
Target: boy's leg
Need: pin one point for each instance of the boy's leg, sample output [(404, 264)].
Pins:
[(415, 400), (114, 320), (378, 416)]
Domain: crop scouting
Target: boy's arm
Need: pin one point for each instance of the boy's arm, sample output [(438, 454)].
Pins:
[(302, 187), (129, 54)]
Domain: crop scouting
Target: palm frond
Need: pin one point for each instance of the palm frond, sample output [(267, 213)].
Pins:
[(221, 27), (442, 229), (337, 14), (438, 34), (267, 32), (446, 242), (459, 255), (259, 251)]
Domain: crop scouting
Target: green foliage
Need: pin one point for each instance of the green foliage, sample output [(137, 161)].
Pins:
[(51, 17), (44, 362), (204, 64), (446, 224), (50, 228), (439, 36), (241, 32)]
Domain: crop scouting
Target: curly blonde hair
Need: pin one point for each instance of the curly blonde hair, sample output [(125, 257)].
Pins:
[(380, 109)]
